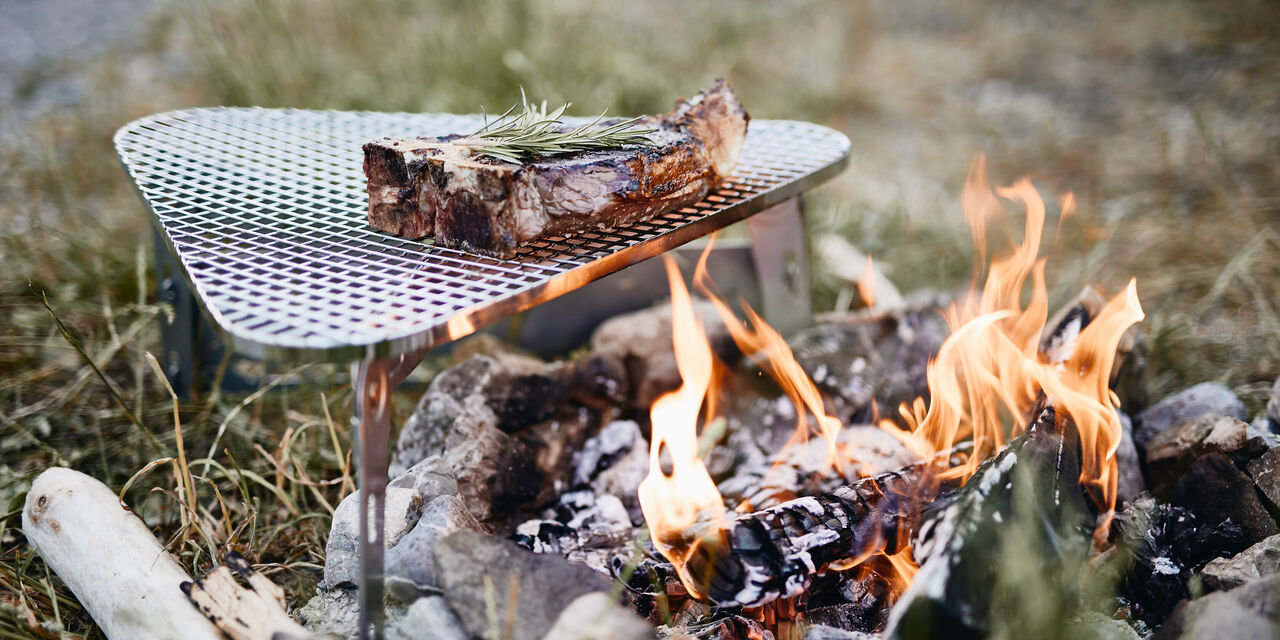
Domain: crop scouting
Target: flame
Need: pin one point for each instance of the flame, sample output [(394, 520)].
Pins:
[(985, 381), (679, 499)]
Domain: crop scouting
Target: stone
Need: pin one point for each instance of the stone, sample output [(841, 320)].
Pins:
[(1265, 472), (597, 616), (342, 551), (823, 632), (641, 342), (1172, 451), (430, 478), (867, 366), (515, 392), (478, 573), (331, 611), (1130, 482), (1251, 610), (1216, 490), (426, 617), (1099, 627), (554, 445), (1260, 560), (410, 571), (1206, 398)]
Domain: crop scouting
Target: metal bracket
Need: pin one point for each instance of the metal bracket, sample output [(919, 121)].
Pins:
[(781, 252), (372, 382)]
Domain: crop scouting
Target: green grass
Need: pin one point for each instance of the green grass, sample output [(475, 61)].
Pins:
[(1157, 114)]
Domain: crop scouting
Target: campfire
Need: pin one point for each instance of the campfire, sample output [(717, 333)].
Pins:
[(915, 469)]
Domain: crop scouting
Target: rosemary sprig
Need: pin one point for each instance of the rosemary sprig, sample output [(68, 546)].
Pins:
[(526, 130)]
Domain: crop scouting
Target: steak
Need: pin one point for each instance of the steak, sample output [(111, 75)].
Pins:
[(424, 187)]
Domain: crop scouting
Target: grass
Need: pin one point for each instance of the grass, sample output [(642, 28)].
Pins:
[(1156, 114)]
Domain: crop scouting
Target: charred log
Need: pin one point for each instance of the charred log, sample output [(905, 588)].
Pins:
[(775, 553)]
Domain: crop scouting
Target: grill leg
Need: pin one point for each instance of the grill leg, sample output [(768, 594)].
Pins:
[(373, 381), (781, 253)]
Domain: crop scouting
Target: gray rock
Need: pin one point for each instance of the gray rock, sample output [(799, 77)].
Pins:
[(1262, 559), (641, 341), (1265, 472), (427, 617), (331, 611), (409, 568), (478, 573), (1099, 627), (1215, 490), (507, 391), (431, 478), (1206, 398), (341, 552), (1248, 611), (597, 616), (1130, 482), (823, 632), (1172, 451)]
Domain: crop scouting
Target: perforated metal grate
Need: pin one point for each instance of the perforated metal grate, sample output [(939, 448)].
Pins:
[(265, 211)]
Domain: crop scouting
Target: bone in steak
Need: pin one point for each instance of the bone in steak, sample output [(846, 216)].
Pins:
[(431, 187)]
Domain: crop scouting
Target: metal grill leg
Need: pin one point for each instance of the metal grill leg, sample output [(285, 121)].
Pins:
[(781, 253), (373, 381)]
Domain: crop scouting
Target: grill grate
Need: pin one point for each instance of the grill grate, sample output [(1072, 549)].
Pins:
[(265, 211)]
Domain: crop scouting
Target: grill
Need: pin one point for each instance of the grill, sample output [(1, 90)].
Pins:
[(264, 211)]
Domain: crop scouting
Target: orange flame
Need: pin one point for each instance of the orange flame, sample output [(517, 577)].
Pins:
[(867, 284), (983, 383), (679, 499)]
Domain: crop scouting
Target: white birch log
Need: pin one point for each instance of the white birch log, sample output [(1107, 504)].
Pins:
[(117, 569)]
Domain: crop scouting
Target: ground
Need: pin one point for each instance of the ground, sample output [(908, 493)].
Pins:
[(1160, 116)]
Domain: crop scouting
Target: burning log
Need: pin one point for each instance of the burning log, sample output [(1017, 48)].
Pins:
[(774, 553)]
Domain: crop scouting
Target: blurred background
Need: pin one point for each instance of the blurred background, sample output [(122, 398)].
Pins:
[(1162, 116)]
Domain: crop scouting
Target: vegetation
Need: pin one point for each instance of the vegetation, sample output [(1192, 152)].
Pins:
[(1158, 115)]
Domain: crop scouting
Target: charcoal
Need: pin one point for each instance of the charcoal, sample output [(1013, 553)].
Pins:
[(823, 632), (342, 551), (582, 527), (1129, 371), (429, 613), (1273, 407), (870, 365), (641, 341), (775, 553), (1172, 451), (1251, 610), (1026, 497), (1163, 546), (554, 445), (614, 462), (598, 380), (1224, 574), (409, 569), (1217, 491), (1265, 472), (597, 616), (525, 591), (1206, 398)]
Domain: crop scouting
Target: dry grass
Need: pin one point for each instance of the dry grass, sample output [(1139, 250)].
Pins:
[(1159, 115)]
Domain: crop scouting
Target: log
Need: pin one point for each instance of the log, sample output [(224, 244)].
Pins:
[(775, 553), (254, 613), (113, 564)]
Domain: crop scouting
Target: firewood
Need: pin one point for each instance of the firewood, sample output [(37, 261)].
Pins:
[(113, 564), (253, 613)]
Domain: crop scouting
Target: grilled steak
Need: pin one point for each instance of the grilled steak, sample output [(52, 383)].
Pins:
[(431, 187)]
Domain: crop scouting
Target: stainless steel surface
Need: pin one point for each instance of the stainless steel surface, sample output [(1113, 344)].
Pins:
[(373, 386), (781, 251), (264, 210)]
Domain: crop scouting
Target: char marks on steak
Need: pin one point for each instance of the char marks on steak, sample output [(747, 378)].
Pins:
[(432, 187)]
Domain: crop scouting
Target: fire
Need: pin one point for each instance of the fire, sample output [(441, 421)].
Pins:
[(678, 497), (984, 383)]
